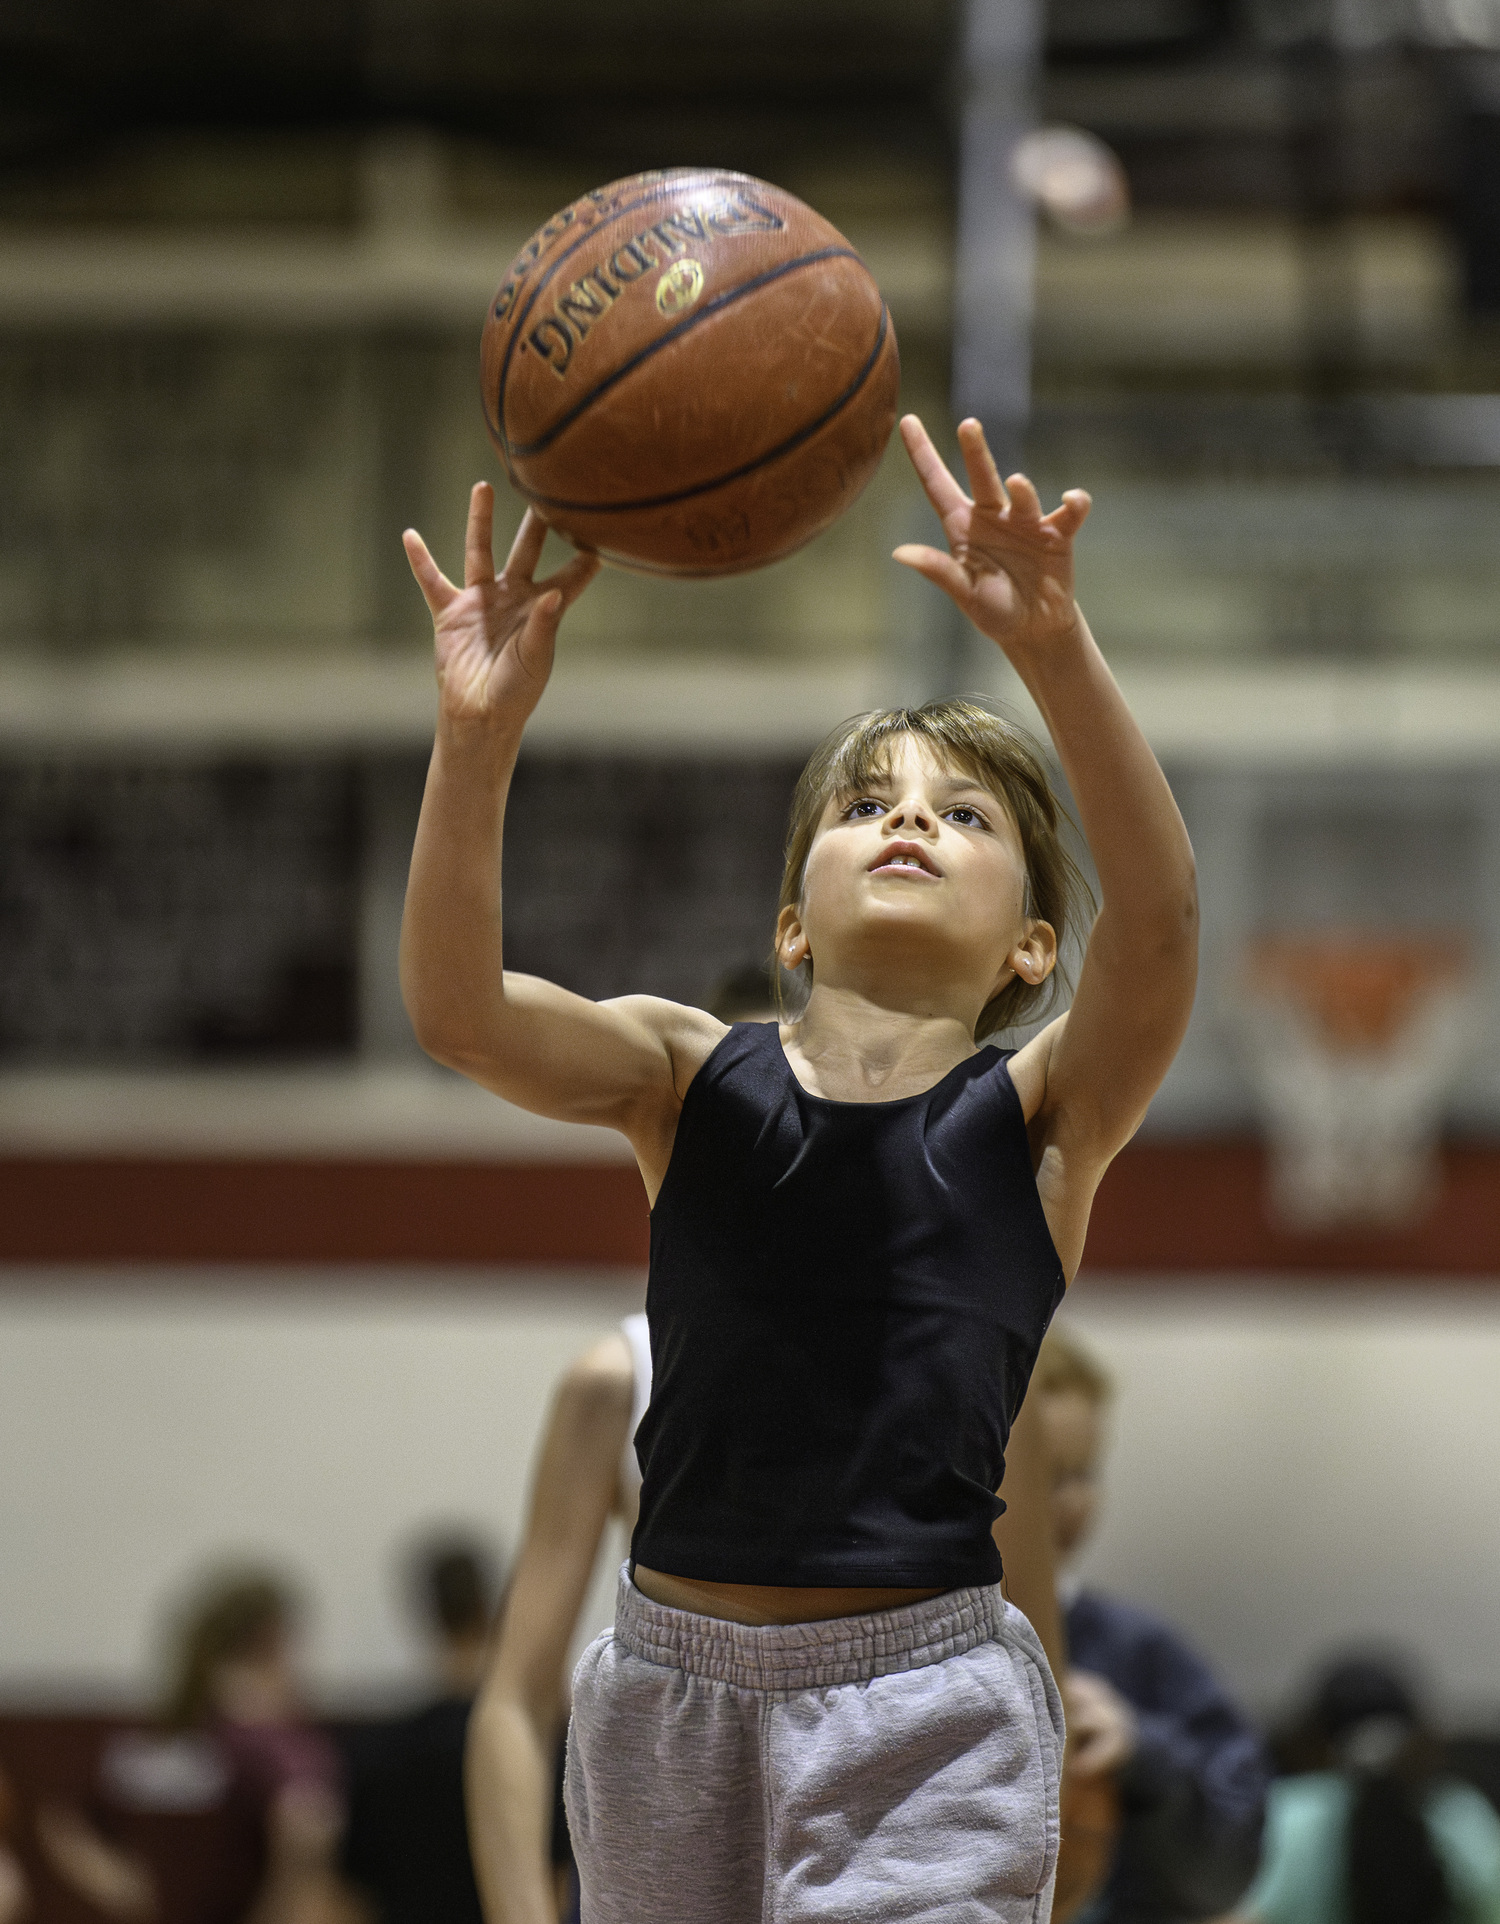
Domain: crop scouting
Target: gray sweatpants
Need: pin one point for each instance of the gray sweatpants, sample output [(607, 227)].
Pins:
[(869, 1770)]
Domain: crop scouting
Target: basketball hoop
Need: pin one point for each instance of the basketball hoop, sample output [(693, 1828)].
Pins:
[(1352, 1041)]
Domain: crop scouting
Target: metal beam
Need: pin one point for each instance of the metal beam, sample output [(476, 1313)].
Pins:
[(996, 260), (994, 268)]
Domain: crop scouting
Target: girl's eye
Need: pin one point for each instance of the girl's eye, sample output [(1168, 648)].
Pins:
[(966, 817), (866, 805)]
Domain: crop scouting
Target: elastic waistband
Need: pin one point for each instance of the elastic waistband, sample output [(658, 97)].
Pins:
[(811, 1656)]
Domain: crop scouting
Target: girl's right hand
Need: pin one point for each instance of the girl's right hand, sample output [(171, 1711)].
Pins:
[(494, 637), (1009, 566)]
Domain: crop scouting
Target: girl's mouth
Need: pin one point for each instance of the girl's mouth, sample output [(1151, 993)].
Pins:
[(906, 859)]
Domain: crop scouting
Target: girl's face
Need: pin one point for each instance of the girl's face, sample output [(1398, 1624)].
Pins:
[(925, 865)]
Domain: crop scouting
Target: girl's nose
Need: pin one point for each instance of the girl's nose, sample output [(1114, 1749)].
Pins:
[(910, 814)]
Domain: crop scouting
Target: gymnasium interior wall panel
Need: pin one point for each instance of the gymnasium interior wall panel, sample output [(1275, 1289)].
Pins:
[(1294, 1468)]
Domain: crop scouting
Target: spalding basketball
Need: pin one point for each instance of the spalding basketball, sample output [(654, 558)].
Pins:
[(689, 373)]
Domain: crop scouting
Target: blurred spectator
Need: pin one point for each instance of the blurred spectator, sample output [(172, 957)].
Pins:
[(1372, 1833), (231, 1804), (1142, 1706), (15, 1897), (407, 1845)]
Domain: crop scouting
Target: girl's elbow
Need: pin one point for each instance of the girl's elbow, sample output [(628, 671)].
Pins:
[(435, 1033)]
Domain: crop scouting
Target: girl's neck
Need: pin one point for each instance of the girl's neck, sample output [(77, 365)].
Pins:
[(852, 1049)]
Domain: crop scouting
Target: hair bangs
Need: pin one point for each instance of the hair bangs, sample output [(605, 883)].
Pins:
[(1003, 760)]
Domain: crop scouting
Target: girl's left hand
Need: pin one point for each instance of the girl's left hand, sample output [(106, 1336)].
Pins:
[(1009, 566)]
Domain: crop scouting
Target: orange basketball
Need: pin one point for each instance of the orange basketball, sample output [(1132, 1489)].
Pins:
[(689, 373)]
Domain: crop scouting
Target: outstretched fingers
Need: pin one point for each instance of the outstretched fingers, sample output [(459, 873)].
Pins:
[(571, 580), (932, 471), (554, 597), (935, 566), (984, 477), (1025, 502), (526, 549), (437, 589), (537, 640), (479, 553), (1073, 512)]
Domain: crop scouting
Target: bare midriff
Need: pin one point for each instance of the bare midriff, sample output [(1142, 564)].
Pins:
[(755, 1603)]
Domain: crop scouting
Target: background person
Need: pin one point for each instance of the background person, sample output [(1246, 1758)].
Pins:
[(230, 1807), (587, 1476), (406, 1848), (15, 1892), (1143, 1707), (1372, 1832)]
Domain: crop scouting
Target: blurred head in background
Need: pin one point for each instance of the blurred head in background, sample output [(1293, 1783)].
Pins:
[(1365, 1813), (744, 994), (1076, 1391), (234, 1806), (454, 1591), (1367, 1716), (234, 1654), (1364, 1714)]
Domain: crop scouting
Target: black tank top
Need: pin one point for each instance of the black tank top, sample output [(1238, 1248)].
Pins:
[(846, 1300)]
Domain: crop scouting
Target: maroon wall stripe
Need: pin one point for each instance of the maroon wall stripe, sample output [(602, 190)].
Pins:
[(1163, 1207), (1195, 1206), (315, 1211)]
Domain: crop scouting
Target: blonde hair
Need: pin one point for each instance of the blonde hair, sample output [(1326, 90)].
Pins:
[(1065, 1366), (1000, 757)]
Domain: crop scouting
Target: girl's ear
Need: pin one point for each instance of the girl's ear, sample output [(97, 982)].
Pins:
[(792, 946), (1035, 956)]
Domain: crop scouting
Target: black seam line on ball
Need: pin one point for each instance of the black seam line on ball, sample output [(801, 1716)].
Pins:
[(684, 326), (734, 474), (712, 177)]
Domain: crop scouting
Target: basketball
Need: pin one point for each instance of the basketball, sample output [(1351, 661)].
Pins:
[(689, 373)]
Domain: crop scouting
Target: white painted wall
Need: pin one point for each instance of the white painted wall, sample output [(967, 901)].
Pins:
[(147, 1430), (1298, 1468), (1293, 1468)]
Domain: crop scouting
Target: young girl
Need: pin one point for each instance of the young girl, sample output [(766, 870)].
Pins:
[(816, 1703)]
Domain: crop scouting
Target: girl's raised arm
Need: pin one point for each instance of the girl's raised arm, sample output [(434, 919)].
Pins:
[(1092, 1074), (530, 1041)]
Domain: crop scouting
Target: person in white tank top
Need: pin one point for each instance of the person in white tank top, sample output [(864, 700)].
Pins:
[(637, 1334), (587, 1475)]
